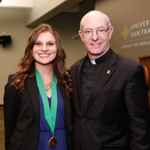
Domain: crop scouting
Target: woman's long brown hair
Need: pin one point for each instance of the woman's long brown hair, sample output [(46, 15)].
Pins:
[(27, 62)]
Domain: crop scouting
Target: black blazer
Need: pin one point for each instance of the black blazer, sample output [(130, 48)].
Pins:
[(22, 114), (117, 116)]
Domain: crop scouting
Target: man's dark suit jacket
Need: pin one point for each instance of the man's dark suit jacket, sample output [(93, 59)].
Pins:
[(22, 115), (117, 116)]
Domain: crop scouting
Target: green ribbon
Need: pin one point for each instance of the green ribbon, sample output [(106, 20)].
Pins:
[(49, 113)]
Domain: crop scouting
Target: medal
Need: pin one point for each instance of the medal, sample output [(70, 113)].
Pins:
[(52, 142), (49, 113)]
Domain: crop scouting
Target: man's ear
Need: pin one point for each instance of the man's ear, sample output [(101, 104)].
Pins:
[(111, 32), (81, 36)]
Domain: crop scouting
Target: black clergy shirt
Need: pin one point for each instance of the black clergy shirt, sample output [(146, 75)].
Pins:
[(89, 74)]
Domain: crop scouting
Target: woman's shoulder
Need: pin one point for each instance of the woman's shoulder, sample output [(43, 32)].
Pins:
[(11, 77), (8, 85)]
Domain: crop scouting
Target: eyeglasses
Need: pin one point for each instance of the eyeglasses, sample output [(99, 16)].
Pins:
[(101, 32)]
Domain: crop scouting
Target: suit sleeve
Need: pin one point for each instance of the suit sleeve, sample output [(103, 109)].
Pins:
[(11, 109), (136, 98)]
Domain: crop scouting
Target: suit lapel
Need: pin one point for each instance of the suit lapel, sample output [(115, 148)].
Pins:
[(33, 92), (104, 75), (78, 87)]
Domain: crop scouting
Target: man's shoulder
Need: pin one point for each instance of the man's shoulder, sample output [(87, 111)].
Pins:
[(123, 60), (126, 61), (78, 62), (123, 63)]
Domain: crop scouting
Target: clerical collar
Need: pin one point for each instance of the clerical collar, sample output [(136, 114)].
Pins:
[(98, 60), (93, 62)]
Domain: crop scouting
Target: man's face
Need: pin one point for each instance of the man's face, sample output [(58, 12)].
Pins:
[(96, 45)]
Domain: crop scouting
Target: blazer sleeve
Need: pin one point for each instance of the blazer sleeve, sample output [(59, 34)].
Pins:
[(11, 109), (136, 98)]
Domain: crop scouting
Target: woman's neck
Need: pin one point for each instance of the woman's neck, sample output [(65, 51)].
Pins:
[(45, 72)]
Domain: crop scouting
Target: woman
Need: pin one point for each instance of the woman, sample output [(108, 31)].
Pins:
[(37, 111)]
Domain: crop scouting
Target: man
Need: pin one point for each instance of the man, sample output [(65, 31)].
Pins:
[(110, 94)]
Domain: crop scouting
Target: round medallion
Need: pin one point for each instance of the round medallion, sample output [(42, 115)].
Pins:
[(52, 142)]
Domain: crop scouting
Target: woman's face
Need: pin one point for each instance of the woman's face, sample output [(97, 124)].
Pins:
[(44, 49)]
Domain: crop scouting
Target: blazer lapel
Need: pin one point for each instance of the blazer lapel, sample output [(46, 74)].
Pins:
[(104, 75), (66, 101), (33, 92)]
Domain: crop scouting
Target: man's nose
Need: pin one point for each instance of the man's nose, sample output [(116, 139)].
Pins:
[(95, 36)]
